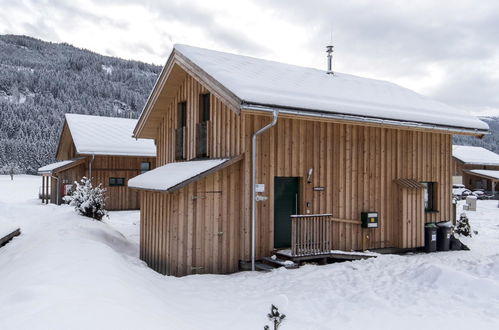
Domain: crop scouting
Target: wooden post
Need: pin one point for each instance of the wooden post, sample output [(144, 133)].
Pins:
[(47, 193), (493, 189), (43, 189)]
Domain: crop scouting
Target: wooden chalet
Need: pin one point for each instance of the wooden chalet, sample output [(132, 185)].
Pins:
[(101, 148), (338, 163), (475, 167)]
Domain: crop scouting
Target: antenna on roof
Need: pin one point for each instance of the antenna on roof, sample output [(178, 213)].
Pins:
[(329, 51)]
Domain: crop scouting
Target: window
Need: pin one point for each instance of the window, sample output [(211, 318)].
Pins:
[(113, 182), (430, 195), (182, 114), (202, 126), (180, 131), (144, 167), (204, 107)]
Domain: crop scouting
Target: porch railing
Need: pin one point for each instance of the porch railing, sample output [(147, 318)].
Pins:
[(312, 234)]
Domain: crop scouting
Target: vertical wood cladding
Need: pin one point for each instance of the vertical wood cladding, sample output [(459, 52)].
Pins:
[(119, 197), (357, 166), (223, 126), (194, 229), (104, 167)]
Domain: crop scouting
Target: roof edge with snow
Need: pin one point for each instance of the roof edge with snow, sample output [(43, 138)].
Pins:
[(182, 56), (174, 176), (60, 166)]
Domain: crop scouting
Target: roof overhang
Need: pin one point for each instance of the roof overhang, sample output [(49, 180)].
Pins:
[(409, 184), (311, 113), (152, 180), (53, 168), (484, 174)]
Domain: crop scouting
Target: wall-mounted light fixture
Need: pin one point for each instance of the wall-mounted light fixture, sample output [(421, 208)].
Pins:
[(309, 176)]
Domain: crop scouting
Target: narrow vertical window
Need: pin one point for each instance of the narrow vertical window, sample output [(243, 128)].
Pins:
[(180, 131), (202, 126), (144, 167), (430, 194)]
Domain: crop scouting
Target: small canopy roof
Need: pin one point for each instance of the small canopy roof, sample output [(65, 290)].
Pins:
[(409, 184), (475, 155), (256, 81), (59, 166), (173, 176), (489, 174), (95, 135)]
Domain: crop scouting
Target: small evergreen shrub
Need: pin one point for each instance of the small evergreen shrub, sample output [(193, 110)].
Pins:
[(463, 226), (88, 200)]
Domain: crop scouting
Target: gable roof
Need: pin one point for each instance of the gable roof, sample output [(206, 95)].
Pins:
[(96, 135), (173, 176), (257, 84), (475, 155)]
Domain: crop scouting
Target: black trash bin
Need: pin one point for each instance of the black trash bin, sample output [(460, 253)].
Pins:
[(430, 237), (443, 235)]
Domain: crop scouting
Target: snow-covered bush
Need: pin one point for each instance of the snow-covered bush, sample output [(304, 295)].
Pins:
[(463, 226), (88, 200)]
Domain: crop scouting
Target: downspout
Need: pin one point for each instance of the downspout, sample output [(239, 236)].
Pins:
[(57, 190), (90, 167), (253, 185)]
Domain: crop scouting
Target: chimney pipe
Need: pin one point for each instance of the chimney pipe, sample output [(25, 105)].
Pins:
[(329, 51)]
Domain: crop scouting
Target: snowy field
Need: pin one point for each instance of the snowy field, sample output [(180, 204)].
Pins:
[(69, 272)]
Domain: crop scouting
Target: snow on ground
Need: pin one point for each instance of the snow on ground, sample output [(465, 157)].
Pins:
[(70, 272)]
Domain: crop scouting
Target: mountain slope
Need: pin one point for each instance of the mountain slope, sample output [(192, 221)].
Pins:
[(490, 141), (40, 81)]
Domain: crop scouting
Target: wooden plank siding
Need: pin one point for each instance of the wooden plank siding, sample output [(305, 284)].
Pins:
[(223, 127), (362, 165), (104, 167), (357, 165), (194, 229), (119, 197), (472, 182)]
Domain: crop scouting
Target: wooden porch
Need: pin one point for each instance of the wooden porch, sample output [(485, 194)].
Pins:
[(312, 239)]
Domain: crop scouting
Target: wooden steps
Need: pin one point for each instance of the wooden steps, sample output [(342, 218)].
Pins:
[(277, 262), (268, 264), (325, 258), (6, 238)]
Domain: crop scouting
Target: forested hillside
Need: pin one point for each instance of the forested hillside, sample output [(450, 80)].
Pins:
[(41, 81), (490, 141)]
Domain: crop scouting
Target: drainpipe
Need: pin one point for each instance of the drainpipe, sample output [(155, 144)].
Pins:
[(58, 187), (90, 167), (253, 184)]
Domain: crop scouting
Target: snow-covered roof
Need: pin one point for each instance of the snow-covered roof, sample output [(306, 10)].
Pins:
[(475, 155), (50, 168), (262, 82), (488, 173), (107, 136), (168, 176)]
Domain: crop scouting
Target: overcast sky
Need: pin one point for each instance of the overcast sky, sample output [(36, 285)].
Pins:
[(448, 50)]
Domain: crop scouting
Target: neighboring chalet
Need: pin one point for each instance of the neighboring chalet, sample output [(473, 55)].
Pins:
[(341, 163), (476, 167), (101, 148)]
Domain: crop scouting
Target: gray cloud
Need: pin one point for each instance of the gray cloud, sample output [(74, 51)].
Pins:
[(401, 39), (385, 39)]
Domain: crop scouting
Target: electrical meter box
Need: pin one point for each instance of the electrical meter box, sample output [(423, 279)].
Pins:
[(370, 219)]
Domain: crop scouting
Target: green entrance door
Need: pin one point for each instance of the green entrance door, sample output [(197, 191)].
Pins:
[(285, 204)]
